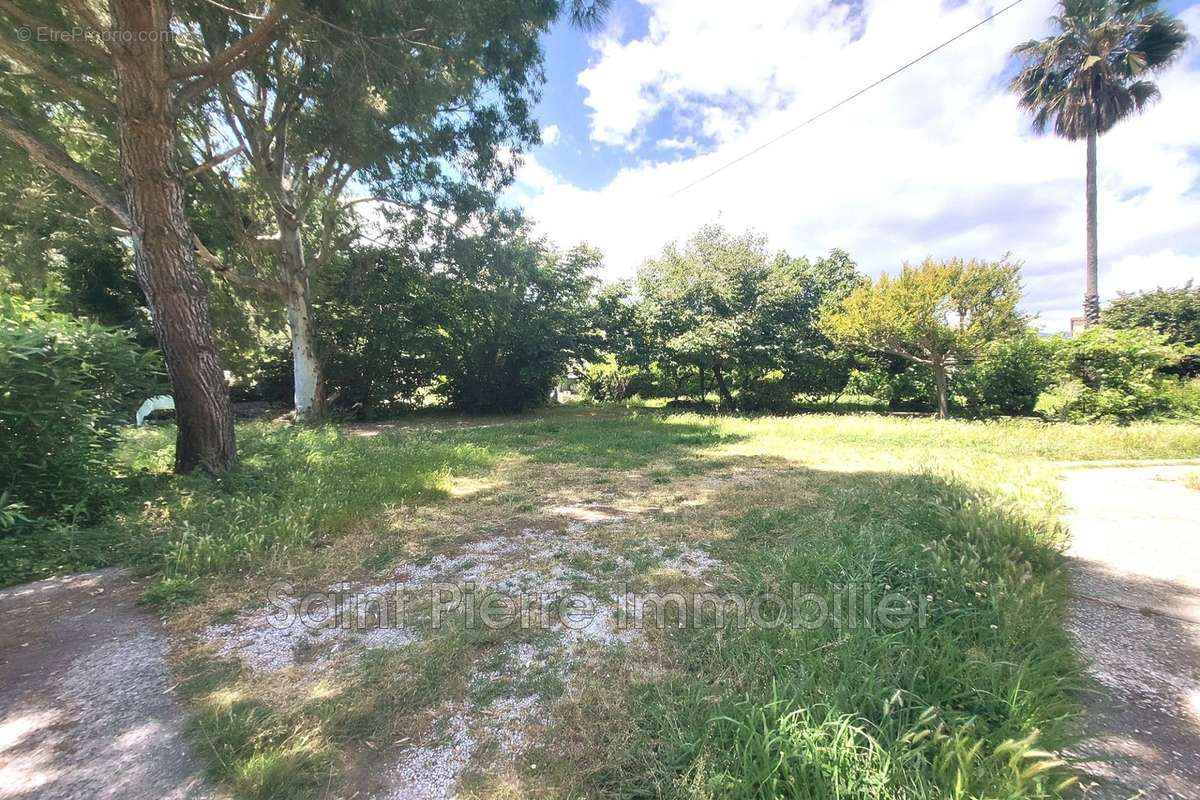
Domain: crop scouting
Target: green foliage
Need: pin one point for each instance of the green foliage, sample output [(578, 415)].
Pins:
[(608, 382), (938, 314), (383, 327), (1009, 376), (1092, 73), (1112, 375), (722, 308), (295, 486), (36, 548), (416, 106), (931, 710), (770, 392), (66, 385), (1174, 313), (518, 317)]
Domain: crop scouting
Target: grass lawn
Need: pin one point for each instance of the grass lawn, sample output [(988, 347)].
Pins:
[(972, 697)]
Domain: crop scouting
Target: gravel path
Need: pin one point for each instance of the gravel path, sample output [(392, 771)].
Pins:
[(86, 709), (1135, 617)]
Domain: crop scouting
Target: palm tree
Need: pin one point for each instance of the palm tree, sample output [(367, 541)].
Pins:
[(1091, 75)]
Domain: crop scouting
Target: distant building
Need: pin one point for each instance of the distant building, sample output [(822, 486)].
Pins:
[(1078, 324)]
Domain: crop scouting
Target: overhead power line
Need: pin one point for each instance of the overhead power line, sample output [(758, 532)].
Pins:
[(843, 102)]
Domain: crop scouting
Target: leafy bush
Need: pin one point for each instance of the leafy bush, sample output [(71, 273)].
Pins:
[(380, 332), (1009, 376), (772, 392), (893, 383), (1181, 397), (517, 316), (1175, 313), (1113, 375), (66, 385), (608, 382)]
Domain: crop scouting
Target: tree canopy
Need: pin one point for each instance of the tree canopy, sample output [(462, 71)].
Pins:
[(939, 314)]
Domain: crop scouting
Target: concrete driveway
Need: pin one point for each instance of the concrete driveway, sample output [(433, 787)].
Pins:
[(1135, 617)]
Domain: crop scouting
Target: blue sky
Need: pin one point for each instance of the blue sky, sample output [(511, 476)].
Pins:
[(938, 162)]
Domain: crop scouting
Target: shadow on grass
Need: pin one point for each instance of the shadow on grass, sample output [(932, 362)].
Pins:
[(298, 486)]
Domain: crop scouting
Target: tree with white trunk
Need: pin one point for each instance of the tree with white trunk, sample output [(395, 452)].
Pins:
[(411, 108)]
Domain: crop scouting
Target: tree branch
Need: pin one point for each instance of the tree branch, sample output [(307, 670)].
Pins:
[(329, 221), (222, 65), (58, 161), (49, 75), (41, 27), (85, 13), (270, 288), (215, 161)]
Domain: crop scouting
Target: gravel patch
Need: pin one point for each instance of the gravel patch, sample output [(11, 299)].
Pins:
[(543, 565), (430, 772), (86, 702)]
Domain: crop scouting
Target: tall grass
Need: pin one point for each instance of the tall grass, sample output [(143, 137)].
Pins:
[(294, 487), (961, 515), (965, 705)]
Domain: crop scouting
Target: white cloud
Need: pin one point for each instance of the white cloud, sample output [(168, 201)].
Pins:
[(672, 143), (550, 135), (937, 162)]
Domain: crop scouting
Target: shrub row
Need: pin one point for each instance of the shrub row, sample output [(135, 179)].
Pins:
[(66, 385)]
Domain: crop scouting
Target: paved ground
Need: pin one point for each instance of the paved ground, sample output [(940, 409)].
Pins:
[(86, 710), (1135, 616)]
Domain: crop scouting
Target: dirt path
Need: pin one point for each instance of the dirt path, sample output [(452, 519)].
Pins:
[(1135, 616), (86, 709)]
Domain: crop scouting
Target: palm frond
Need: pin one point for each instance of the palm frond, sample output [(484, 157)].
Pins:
[(1090, 75), (1144, 92), (1161, 40)]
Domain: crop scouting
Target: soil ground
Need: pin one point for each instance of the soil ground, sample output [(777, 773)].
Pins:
[(86, 706)]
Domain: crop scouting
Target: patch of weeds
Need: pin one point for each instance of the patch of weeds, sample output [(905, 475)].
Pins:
[(295, 486), (389, 686), (200, 676), (38, 549), (921, 712), (168, 593), (305, 650), (256, 753), (224, 616), (382, 558)]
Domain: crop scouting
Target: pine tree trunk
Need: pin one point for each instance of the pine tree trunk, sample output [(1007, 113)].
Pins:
[(1091, 296), (162, 236), (309, 384), (939, 381)]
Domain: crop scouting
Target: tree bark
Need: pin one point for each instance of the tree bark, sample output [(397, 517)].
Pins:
[(1091, 295), (722, 386), (162, 237), (939, 381), (308, 384)]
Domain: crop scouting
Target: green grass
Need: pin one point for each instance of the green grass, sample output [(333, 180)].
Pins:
[(841, 711), (963, 513)]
